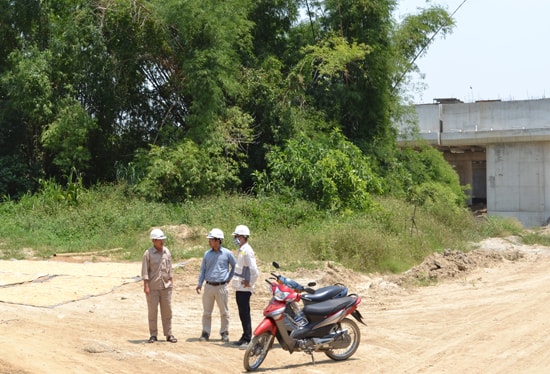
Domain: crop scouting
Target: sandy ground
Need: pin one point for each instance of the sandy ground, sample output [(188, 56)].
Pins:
[(487, 312)]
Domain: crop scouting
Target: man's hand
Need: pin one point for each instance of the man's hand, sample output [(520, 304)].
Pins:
[(198, 289)]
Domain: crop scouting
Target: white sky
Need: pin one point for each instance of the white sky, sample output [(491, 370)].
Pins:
[(498, 50)]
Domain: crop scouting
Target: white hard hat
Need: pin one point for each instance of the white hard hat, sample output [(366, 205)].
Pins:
[(215, 234), (241, 230), (157, 234)]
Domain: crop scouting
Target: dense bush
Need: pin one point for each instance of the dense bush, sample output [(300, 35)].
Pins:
[(427, 166), (329, 171), (177, 173)]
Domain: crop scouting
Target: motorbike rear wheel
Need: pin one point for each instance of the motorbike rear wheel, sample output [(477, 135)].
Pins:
[(355, 335), (257, 351)]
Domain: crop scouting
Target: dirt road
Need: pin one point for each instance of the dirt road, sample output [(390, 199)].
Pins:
[(489, 316)]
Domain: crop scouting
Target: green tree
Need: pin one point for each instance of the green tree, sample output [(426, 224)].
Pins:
[(207, 36), (411, 40), (273, 20), (67, 137), (27, 106), (363, 95)]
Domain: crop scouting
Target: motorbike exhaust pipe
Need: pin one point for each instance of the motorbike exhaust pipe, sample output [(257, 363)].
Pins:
[(321, 341), (337, 341)]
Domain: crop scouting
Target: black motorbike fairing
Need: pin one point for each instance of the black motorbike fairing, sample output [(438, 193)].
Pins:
[(326, 293)]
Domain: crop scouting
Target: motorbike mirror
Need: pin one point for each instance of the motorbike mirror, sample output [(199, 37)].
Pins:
[(275, 265), (312, 284)]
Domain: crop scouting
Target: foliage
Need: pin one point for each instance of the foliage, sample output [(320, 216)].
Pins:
[(429, 177), (364, 99), (431, 195), (208, 36), (329, 171), (67, 136), (502, 226), (28, 84), (15, 176), (51, 194), (331, 58), (26, 106), (413, 36), (262, 213), (175, 174), (272, 20), (535, 237)]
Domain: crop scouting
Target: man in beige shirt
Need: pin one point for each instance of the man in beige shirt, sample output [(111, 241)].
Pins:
[(156, 272)]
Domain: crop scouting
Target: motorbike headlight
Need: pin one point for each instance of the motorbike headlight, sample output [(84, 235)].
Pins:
[(280, 295)]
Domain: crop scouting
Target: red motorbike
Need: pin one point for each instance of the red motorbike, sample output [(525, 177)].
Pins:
[(319, 327)]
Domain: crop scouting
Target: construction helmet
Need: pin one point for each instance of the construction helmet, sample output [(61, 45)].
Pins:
[(215, 234), (241, 230), (157, 234)]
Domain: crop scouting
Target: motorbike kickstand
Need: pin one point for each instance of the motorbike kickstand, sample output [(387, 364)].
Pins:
[(312, 357)]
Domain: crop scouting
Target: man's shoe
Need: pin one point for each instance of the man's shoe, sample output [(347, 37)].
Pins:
[(152, 339), (244, 345), (225, 337), (171, 339), (238, 342), (204, 337)]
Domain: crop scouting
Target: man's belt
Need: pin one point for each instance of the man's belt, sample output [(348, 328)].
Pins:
[(216, 283)]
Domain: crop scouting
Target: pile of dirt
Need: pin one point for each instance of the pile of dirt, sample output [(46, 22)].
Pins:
[(456, 264), (180, 233), (438, 267), (450, 264), (333, 273)]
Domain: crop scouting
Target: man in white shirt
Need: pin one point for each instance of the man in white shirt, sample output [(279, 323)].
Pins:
[(246, 274)]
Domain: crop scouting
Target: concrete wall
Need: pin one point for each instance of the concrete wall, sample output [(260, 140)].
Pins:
[(495, 116)]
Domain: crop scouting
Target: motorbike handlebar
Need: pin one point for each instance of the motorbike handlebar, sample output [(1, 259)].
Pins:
[(291, 283)]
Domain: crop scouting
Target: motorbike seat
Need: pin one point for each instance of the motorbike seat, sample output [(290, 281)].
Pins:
[(326, 293), (327, 307)]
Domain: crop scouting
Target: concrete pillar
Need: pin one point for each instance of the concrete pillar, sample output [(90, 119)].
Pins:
[(517, 184)]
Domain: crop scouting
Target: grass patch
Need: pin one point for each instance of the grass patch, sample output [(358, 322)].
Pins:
[(392, 237), (533, 238)]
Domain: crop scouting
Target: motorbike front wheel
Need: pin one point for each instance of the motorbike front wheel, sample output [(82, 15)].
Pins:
[(354, 336), (257, 350)]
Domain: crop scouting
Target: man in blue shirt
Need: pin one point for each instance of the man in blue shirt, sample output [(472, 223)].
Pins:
[(217, 269)]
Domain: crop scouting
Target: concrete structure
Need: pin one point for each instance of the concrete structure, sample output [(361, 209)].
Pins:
[(501, 149)]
